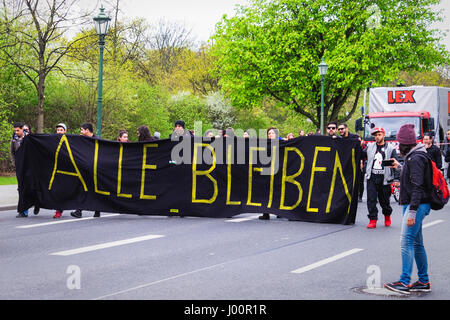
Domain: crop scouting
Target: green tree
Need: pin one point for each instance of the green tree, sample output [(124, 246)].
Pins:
[(220, 110), (273, 48), (150, 108), (6, 131), (189, 108), (36, 28)]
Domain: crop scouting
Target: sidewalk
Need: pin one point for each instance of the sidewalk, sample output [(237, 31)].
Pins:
[(8, 197)]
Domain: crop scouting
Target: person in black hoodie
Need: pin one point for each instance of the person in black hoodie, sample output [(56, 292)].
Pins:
[(433, 151), (415, 186)]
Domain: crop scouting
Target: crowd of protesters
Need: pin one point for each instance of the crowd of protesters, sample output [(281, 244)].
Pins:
[(179, 130), (412, 176)]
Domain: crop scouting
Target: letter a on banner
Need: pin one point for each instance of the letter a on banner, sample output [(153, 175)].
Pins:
[(55, 168)]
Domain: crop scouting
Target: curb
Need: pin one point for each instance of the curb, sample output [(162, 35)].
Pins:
[(9, 198)]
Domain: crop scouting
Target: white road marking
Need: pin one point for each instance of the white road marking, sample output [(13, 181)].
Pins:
[(253, 217), (63, 221), (159, 281), (106, 245), (432, 223), (326, 261)]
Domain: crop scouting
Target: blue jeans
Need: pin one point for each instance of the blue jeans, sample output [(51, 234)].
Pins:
[(411, 243)]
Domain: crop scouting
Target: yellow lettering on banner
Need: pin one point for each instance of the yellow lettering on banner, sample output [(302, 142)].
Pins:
[(337, 165), (354, 176), (206, 173), (106, 193), (55, 168), (229, 202), (291, 179), (250, 176), (119, 176), (313, 171), (272, 174), (146, 166)]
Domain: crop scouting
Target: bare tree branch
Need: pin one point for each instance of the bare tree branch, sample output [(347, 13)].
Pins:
[(37, 27)]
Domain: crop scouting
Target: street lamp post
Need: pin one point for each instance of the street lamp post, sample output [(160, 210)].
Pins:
[(323, 67), (101, 26)]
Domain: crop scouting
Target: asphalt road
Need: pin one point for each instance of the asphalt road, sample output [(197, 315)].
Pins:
[(142, 257)]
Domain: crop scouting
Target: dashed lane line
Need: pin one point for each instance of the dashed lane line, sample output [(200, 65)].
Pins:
[(252, 217), (326, 261), (106, 245), (432, 223), (35, 225)]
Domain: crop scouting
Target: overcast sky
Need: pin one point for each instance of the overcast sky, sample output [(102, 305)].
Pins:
[(202, 15), (198, 15)]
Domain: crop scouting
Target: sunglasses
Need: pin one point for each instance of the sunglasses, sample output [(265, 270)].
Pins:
[(331, 128), (340, 129)]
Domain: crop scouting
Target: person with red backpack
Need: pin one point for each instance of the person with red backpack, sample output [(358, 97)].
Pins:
[(415, 196)]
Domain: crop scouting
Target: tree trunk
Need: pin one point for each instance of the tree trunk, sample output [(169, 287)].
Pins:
[(40, 107)]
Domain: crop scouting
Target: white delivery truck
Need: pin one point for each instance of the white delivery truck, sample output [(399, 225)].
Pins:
[(428, 108)]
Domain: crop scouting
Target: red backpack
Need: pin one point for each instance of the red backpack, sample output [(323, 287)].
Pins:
[(439, 189)]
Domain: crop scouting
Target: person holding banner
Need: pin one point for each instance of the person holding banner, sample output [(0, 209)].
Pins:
[(86, 130), (16, 142), (61, 128), (343, 131), (272, 133), (123, 136), (179, 131), (332, 130), (143, 133)]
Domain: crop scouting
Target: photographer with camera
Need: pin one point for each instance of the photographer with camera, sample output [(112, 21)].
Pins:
[(379, 177)]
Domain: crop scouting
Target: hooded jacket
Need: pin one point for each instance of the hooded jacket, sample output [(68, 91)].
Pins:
[(389, 174), (415, 178)]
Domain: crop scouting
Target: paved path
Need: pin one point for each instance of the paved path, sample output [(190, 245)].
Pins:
[(8, 197)]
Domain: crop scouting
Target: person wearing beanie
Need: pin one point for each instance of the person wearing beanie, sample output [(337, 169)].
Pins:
[(179, 130), (415, 181), (379, 178), (86, 130), (180, 124)]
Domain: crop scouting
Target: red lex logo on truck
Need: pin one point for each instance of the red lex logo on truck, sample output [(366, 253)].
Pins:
[(401, 96)]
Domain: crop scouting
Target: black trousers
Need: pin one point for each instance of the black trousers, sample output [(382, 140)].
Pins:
[(376, 189), (361, 184)]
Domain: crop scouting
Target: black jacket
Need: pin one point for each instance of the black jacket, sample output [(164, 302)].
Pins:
[(415, 178), (435, 154), (447, 159)]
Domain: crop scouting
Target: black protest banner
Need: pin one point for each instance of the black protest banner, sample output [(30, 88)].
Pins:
[(308, 178)]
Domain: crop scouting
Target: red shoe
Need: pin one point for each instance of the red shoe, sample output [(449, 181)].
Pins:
[(57, 215), (372, 224), (387, 221)]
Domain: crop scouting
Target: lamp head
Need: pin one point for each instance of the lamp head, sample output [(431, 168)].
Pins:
[(102, 22), (323, 67)]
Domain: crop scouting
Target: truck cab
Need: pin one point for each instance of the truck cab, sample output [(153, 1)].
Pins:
[(392, 121)]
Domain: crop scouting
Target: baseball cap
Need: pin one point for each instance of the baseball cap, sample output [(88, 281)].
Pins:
[(377, 129), (62, 125)]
